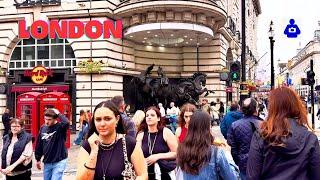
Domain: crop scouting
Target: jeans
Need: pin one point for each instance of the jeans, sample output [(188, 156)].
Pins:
[(54, 171), (81, 134)]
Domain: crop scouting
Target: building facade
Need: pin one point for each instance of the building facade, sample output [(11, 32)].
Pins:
[(300, 64), (182, 37)]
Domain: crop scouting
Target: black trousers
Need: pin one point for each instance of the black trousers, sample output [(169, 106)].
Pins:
[(24, 176)]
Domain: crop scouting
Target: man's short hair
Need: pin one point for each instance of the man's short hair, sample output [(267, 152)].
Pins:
[(51, 113), (117, 100), (234, 106), (249, 107)]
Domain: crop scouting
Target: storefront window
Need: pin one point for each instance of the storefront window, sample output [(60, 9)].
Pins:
[(54, 53)]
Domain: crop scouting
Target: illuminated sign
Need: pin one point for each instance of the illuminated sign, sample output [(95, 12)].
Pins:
[(38, 74), (71, 29), (32, 3)]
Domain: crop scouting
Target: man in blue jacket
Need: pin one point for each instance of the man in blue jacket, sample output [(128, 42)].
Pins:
[(241, 132), (51, 145), (232, 116)]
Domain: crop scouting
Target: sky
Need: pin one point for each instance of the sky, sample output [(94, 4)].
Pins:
[(306, 14)]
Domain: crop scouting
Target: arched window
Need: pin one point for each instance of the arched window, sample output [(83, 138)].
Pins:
[(53, 53)]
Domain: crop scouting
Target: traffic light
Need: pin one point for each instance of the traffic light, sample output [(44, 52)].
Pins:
[(310, 78), (235, 68)]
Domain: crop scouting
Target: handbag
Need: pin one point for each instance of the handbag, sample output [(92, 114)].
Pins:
[(128, 173)]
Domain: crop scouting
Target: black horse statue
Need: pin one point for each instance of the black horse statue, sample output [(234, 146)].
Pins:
[(153, 90)]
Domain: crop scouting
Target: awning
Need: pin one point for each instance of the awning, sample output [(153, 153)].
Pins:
[(43, 88)]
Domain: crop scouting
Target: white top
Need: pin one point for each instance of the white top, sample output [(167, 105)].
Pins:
[(26, 152)]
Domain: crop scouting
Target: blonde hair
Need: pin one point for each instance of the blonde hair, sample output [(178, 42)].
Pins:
[(138, 117)]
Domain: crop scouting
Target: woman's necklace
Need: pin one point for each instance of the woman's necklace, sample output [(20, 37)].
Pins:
[(151, 145), (108, 146), (105, 170)]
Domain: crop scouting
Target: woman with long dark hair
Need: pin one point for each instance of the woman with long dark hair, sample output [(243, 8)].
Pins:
[(184, 119), (198, 157), (108, 153), (285, 148), (159, 145)]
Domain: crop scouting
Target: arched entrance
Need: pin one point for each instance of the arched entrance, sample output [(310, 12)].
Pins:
[(41, 65)]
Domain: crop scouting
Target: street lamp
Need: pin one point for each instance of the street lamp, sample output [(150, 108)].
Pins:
[(271, 35)]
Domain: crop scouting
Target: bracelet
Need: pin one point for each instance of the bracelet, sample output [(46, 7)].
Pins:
[(89, 167)]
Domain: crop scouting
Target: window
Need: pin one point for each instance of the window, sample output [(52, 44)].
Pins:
[(54, 53)]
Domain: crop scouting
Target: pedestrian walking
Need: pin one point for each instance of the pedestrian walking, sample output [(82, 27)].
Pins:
[(108, 153), (284, 148), (5, 121), (159, 145), (51, 145), (162, 110), (84, 125), (173, 113), (138, 118), (197, 156), (184, 119), (17, 152), (232, 116), (240, 134), (128, 124), (215, 112)]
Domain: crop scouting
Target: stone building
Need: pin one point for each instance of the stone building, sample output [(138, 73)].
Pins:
[(180, 36)]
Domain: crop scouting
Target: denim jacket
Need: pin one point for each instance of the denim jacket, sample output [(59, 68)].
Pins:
[(209, 171)]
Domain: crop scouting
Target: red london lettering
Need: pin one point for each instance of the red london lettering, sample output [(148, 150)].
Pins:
[(71, 29), (55, 28)]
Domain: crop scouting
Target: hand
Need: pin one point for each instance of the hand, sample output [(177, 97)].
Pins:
[(56, 111), (39, 165), (152, 159), (7, 170), (94, 141)]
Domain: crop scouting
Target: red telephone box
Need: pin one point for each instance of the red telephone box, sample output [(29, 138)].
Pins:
[(60, 101), (27, 109)]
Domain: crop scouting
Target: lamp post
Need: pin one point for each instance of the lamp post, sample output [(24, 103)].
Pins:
[(271, 35)]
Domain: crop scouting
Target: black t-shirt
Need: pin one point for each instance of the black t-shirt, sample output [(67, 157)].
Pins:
[(116, 165)]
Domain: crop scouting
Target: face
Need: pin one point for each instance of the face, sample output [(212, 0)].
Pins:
[(171, 104), (49, 121), (105, 121), (151, 117), (187, 116), (15, 128)]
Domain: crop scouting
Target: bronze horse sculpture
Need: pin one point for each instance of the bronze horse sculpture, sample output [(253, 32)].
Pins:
[(154, 90)]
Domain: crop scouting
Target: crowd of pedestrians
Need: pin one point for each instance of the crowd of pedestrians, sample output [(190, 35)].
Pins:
[(146, 146)]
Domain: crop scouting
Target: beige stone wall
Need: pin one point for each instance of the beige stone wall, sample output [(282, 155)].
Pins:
[(176, 62)]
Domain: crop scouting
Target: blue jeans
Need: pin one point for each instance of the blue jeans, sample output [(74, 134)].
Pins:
[(81, 134), (173, 126), (54, 171)]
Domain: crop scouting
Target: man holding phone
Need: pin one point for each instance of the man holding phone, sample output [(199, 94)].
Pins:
[(51, 145)]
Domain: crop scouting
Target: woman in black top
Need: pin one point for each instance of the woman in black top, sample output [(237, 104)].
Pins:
[(102, 156), (159, 145)]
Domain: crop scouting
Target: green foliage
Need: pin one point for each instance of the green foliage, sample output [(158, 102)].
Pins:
[(91, 66)]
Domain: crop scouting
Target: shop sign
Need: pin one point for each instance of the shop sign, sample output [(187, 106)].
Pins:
[(32, 3), (71, 29), (38, 74)]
